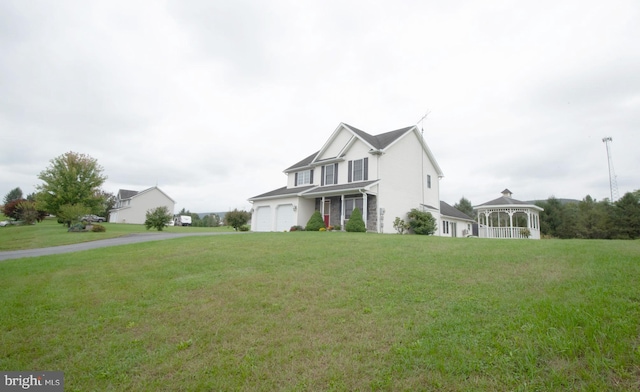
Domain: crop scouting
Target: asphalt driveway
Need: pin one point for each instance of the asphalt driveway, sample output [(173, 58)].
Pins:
[(128, 239)]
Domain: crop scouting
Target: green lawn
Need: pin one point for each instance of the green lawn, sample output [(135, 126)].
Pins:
[(51, 233), (329, 311)]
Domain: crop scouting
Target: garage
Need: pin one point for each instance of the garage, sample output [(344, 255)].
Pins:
[(263, 219), (284, 217)]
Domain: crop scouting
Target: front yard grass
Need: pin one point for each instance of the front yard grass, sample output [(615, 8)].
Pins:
[(329, 311), (51, 233)]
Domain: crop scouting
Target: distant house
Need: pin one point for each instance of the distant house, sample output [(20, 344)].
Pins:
[(384, 176), (132, 206), (455, 223)]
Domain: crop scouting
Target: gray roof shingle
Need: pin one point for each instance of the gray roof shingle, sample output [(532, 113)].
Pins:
[(379, 142), (283, 191), (447, 210)]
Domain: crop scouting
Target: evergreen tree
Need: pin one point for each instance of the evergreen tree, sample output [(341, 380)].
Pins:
[(315, 223), (14, 194), (356, 223)]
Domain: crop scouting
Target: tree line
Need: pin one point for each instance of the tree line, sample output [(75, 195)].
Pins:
[(588, 218), (591, 219), (72, 187)]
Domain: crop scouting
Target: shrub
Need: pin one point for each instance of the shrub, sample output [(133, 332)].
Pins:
[(322, 229), (296, 228), (421, 222), (237, 219), (98, 229), (158, 218), (243, 228), (355, 223), (315, 223), (400, 225), (337, 227), (78, 227), (71, 213)]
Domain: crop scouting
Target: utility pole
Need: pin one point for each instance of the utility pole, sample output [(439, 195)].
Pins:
[(613, 183)]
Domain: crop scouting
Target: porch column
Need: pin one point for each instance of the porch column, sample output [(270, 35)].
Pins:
[(322, 207), (342, 212), (364, 207)]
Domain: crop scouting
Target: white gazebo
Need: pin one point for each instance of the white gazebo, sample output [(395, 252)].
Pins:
[(506, 217)]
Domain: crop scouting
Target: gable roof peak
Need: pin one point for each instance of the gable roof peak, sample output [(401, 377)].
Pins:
[(382, 140)]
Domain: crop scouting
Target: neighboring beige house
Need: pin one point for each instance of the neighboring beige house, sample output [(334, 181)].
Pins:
[(454, 223), (385, 176), (132, 206)]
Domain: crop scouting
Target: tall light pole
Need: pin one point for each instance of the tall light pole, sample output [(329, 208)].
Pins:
[(613, 183)]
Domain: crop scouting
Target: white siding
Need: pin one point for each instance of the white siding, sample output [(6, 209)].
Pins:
[(142, 202), (403, 174)]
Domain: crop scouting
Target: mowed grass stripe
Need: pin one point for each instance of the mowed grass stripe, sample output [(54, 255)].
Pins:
[(329, 311)]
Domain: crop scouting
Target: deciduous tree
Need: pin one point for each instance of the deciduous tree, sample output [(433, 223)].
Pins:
[(71, 179)]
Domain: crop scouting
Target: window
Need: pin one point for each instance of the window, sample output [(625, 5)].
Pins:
[(329, 174), (304, 177), (358, 170), (429, 181), (351, 204), (445, 227)]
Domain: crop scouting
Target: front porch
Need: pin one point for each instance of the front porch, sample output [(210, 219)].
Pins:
[(336, 203)]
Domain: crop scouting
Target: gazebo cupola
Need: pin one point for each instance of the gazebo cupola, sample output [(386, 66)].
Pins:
[(506, 217)]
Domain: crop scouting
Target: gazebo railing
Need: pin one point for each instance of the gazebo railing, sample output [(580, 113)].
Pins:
[(507, 232)]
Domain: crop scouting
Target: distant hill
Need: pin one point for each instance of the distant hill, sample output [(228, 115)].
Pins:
[(203, 214), (562, 201)]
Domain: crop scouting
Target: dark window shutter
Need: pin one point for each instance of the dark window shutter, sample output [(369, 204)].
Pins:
[(365, 175), (335, 173), (311, 176), (296, 180), (322, 176), (350, 171)]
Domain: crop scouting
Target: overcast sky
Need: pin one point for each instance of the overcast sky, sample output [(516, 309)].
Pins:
[(212, 100)]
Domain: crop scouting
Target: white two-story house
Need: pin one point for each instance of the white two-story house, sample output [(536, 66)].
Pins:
[(385, 176), (132, 206)]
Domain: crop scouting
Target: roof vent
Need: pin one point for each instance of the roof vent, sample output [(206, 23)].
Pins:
[(507, 193)]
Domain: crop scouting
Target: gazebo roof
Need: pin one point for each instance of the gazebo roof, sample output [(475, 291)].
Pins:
[(507, 201)]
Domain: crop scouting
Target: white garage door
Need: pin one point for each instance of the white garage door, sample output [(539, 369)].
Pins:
[(263, 219), (284, 217)]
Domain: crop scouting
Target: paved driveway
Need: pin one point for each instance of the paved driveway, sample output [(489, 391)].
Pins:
[(128, 239)]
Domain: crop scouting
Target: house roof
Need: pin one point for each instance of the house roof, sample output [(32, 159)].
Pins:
[(378, 142), (447, 210), (342, 188), (304, 162), (284, 191), (315, 190), (382, 140), (126, 194)]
